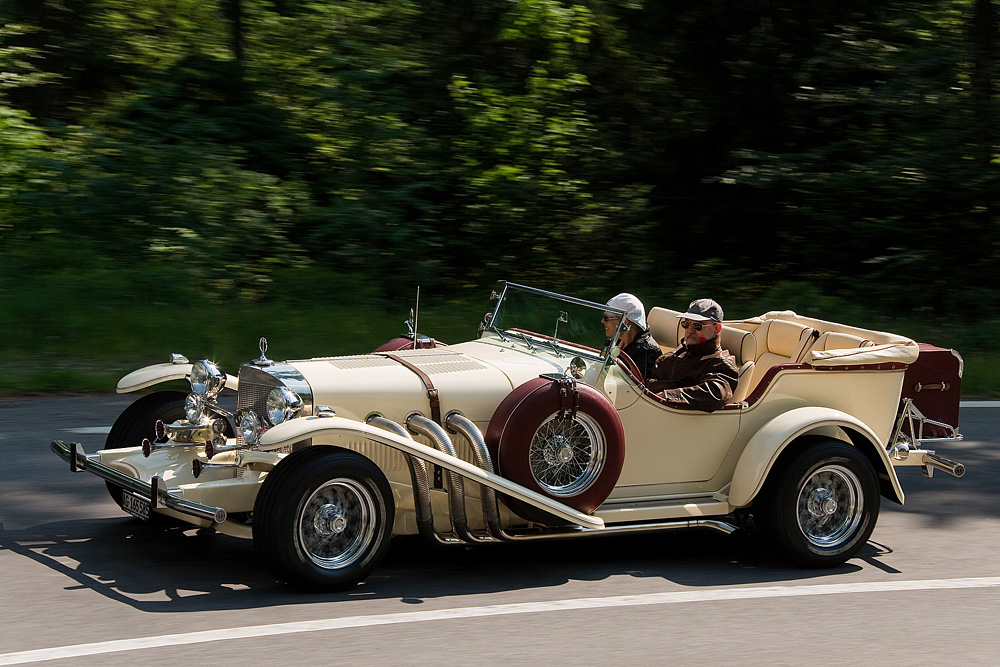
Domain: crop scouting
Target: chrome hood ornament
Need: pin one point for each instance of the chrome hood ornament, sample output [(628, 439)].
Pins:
[(263, 360)]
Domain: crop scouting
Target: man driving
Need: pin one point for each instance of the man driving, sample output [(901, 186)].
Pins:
[(699, 373)]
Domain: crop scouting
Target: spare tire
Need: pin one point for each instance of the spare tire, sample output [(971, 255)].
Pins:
[(559, 438)]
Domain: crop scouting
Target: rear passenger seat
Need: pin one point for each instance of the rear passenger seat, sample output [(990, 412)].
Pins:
[(775, 341), (835, 340), (742, 345), (779, 342)]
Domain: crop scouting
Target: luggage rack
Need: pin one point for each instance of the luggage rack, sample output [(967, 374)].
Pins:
[(911, 415), (906, 448)]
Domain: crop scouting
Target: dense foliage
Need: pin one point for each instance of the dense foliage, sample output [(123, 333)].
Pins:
[(640, 143)]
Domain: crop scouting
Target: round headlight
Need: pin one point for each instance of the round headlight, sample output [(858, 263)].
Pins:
[(194, 407), (282, 404), (206, 379), (250, 429)]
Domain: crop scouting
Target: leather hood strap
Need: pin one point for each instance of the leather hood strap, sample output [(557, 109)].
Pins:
[(432, 392)]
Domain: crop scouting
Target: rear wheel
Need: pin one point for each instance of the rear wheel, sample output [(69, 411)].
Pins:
[(138, 421), (821, 506), (323, 519)]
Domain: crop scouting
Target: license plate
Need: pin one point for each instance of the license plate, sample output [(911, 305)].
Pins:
[(136, 506)]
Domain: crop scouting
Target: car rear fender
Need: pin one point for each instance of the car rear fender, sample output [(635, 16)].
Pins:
[(158, 373), (766, 446), (321, 427)]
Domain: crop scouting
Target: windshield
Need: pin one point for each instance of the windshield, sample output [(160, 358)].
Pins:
[(548, 320)]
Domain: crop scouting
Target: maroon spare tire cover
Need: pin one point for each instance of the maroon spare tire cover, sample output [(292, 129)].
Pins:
[(570, 449)]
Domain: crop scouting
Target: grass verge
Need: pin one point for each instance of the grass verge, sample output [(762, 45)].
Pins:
[(79, 330)]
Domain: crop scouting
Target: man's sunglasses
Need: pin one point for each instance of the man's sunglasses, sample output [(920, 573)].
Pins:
[(611, 318), (697, 326)]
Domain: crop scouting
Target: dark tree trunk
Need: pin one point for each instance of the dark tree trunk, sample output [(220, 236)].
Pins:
[(233, 10)]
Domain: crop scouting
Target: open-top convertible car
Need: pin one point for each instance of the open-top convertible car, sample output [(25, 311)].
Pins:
[(537, 428)]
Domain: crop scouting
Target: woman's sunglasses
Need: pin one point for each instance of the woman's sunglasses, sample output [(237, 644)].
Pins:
[(690, 324)]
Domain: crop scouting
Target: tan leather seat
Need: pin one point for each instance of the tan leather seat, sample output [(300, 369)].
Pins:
[(779, 342), (741, 344), (743, 385), (836, 340), (664, 325)]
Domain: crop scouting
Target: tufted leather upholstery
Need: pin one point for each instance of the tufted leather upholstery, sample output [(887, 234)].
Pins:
[(741, 344), (779, 342)]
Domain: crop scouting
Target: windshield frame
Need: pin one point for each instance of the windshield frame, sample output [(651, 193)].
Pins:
[(501, 292)]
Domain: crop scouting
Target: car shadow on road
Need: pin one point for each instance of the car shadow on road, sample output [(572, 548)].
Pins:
[(176, 569)]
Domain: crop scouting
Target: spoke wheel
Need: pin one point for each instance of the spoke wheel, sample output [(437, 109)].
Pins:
[(323, 518), (820, 503), (572, 456), (830, 506), (566, 455), (337, 523)]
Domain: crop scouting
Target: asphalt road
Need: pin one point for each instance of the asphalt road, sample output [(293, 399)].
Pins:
[(84, 584)]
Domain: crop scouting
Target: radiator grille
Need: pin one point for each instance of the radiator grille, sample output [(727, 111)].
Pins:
[(252, 397)]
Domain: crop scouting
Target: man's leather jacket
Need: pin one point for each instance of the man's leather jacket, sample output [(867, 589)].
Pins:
[(702, 376)]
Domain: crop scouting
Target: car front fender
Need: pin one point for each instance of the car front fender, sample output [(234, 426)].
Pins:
[(157, 373), (320, 427), (764, 448)]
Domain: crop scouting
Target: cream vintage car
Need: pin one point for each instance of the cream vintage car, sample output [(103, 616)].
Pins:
[(537, 428)]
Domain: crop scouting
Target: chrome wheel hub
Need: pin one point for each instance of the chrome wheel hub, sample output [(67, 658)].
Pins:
[(330, 520), (337, 523), (830, 506), (822, 503)]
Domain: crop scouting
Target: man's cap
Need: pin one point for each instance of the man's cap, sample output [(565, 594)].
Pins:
[(632, 307), (703, 309)]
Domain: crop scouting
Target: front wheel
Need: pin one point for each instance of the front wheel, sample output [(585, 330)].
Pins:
[(821, 506), (323, 519)]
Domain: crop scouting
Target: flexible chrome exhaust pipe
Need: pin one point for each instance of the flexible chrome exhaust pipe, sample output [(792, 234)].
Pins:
[(456, 485), (421, 486), (468, 430)]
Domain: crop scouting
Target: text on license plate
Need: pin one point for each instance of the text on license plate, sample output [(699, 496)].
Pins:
[(136, 506)]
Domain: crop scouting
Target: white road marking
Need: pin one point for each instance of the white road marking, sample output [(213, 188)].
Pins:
[(254, 631)]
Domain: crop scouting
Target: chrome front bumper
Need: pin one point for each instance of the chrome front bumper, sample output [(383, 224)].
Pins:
[(154, 491)]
